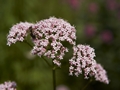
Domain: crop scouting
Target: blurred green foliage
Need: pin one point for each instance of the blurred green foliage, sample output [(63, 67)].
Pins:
[(97, 23)]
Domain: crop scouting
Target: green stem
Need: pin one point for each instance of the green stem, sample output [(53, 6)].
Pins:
[(46, 61), (87, 84), (54, 78), (28, 43), (53, 69)]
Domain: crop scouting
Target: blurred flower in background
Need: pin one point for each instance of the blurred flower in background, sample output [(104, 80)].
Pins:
[(111, 4), (29, 55), (62, 87), (93, 7), (74, 3), (106, 36), (90, 30)]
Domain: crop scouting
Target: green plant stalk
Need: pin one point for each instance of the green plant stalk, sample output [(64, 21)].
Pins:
[(41, 56), (54, 77), (87, 84), (46, 61), (28, 43), (53, 69)]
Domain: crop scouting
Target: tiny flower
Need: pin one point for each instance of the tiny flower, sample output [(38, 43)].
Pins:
[(57, 62), (18, 32)]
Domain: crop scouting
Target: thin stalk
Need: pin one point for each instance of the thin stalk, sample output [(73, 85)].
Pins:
[(28, 43), (87, 84), (53, 69), (46, 61), (54, 78)]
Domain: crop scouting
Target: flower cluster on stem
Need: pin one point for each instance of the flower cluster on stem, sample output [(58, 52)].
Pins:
[(48, 37), (83, 61), (18, 32)]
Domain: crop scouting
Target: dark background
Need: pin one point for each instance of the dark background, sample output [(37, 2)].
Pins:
[(97, 23)]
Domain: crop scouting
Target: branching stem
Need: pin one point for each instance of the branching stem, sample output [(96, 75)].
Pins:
[(53, 69)]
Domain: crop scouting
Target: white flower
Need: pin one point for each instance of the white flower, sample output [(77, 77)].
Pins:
[(50, 33), (18, 32)]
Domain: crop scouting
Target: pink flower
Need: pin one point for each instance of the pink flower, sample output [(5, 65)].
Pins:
[(8, 86), (101, 74), (106, 36), (83, 62), (93, 7), (18, 32), (112, 4), (74, 3), (90, 30), (48, 37)]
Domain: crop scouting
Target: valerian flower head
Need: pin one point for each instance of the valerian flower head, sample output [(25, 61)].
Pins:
[(18, 32), (83, 62), (48, 37), (8, 86), (101, 74)]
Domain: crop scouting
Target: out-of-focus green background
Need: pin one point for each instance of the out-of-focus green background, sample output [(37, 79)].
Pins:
[(97, 23)]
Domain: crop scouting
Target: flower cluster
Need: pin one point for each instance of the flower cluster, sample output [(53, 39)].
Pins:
[(48, 37), (8, 86), (18, 32), (83, 61), (83, 58), (101, 74)]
